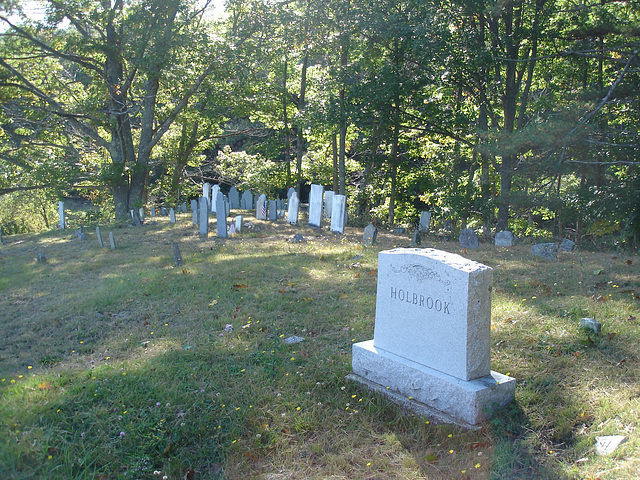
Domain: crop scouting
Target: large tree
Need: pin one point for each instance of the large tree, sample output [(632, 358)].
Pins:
[(122, 71)]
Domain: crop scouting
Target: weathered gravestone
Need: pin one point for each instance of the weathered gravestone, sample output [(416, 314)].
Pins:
[(416, 239), (273, 210), (177, 258), (545, 250), (567, 245), (184, 207), (141, 214), (292, 210), (206, 191), (468, 238), (239, 220), (215, 189), (298, 238), (194, 205), (204, 216), (172, 215), (431, 346), (290, 192), (234, 198), (370, 235), (221, 216), (61, 215), (112, 241), (153, 212), (328, 203), (261, 207), (504, 239), (425, 221), (41, 259), (194, 216), (246, 201), (137, 221), (339, 203), (99, 237), (315, 205), (163, 211)]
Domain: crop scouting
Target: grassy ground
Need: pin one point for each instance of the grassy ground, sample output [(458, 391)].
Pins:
[(116, 364)]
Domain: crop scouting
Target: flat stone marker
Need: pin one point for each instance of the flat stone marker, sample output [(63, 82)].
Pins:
[(607, 445), (292, 209), (591, 324), (246, 201), (567, 245), (370, 235), (204, 216), (339, 203), (315, 205), (328, 203), (239, 220), (545, 250), (99, 237), (61, 215), (432, 337), (221, 216), (425, 221), (177, 258), (261, 207), (273, 210), (504, 239), (234, 198), (468, 238), (112, 241), (172, 215)]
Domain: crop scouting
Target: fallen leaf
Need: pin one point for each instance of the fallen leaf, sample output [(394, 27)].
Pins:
[(45, 386), (282, 291), (145, 323), (610, 336), (599, 271), (251, 456), (477, 445), (52, 451), (621, 362), (431, 457), (343, 296), (372, 273), (239, 286), (356, 275), (628, 262), (184, 270)]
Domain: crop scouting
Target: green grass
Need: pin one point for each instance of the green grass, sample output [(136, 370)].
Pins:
[(116, 365)]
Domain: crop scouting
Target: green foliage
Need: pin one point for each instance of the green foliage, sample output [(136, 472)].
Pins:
[(28, 211)]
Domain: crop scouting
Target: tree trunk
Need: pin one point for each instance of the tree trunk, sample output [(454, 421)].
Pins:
[(301, 107)]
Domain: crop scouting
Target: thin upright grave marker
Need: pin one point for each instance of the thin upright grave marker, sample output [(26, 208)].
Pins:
[(221, 215), (61, 215), (431, 347), (204, 216), (292, 209), (99, 236), (315, 205)]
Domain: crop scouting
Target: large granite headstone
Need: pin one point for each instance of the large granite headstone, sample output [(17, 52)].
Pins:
[(261, 207), (234, 198), (328, 203), (292, 211), (425, 221), (468, 238), (545, 250), (504, 239), (339, 205), (221, 215), (567, 245), (315, 205), (370, 235), (431, 346)]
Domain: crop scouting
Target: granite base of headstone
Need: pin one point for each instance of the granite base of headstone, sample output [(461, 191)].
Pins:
[(567, 245), (177, 257), (298, 238), (370, 235), (431, 347), (41, 259), (468, 238), (416, 239), (504, 239), (99, 237), (545, 250), (112, 241)]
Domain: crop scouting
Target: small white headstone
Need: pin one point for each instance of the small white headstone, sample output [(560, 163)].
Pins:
[(261, 207), (315, 205), (425, 221), (141, 214), (172, 215), (292, 211), (239, 219), (214, 197), (61, 215), (328, 203), (607, 445), (338, 215)]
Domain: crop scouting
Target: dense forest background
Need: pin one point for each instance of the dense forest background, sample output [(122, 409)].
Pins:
[(520, 115)]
